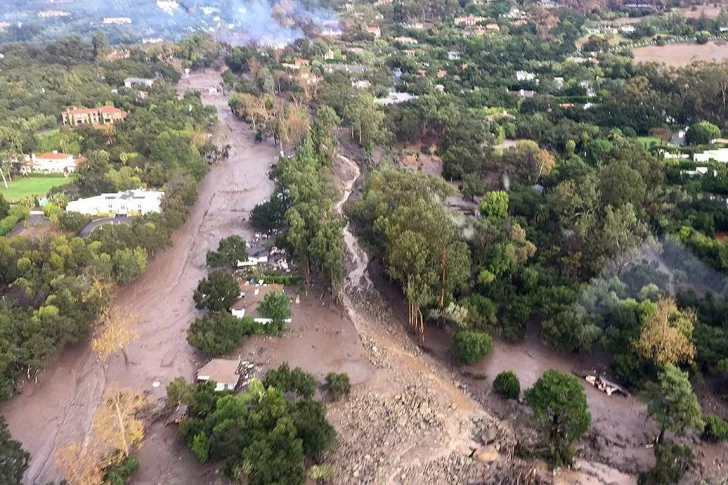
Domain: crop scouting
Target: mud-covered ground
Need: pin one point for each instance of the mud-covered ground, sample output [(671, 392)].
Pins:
[(57, 410), (412, 417)]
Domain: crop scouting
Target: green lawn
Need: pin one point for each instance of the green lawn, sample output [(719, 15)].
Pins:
[(22, 186), (647, 141)]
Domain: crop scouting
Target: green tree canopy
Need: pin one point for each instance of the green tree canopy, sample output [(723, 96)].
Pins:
[(13, 458), (230, 250), (702, 133), (217, 292), (673, 404), (559, 404)]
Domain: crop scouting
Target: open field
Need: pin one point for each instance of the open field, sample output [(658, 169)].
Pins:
[(708, 12), (22, 186), (682, 54)]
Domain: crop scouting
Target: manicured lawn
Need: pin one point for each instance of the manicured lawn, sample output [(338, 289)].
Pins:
[(647, 141), (22, 186)]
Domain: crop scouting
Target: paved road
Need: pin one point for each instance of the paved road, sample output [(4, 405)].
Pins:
[(34, 219), (88, 228)]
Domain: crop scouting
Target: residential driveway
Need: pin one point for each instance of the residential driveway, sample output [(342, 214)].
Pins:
[(88, 229), (34, 219)]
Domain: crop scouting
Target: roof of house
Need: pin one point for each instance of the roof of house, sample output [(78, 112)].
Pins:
[(111, 109), (80, 111), (252, 295), (53, 156), (88, 111), (221, 371)]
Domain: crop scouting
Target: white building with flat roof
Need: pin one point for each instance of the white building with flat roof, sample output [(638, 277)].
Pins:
[(129, 203), (720, 155)]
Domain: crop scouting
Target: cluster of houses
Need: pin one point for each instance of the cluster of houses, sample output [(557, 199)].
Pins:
[(228, 373)]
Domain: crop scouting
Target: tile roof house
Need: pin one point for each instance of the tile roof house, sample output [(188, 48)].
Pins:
[(51, 163), (94, 116), (223, 372), (373, 29)]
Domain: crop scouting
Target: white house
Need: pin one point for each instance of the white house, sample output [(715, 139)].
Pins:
[(525, 76), (406, 40), (362, 84), (698, 171), (470, 20), (51, 163), (133, 81), (250, 297), (116, 20), (514, 13), (129, 203), (395, 98), (223, 372), (720, 155), (453, 55), (254, 260)]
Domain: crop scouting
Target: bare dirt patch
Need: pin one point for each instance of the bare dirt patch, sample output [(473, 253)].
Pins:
[(413, 158), (708, 12), (682, 54)]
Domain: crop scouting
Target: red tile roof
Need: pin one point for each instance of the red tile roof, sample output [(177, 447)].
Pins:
[(53, 156), (110, 109)]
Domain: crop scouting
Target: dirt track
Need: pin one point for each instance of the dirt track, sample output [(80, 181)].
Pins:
[(57, 410)]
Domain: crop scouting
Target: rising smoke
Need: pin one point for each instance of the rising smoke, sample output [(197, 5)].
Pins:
[(235, 21)]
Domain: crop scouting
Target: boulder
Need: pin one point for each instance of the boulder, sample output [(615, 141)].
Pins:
[(486, 454)]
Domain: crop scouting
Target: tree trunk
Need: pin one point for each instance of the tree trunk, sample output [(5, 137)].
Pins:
[(123, 352), (422, 325), (121, 428), (444, 277)]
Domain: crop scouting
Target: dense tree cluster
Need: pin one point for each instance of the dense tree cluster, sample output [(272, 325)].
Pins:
[(262, 436)]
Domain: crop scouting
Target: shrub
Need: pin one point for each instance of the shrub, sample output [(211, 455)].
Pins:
[(15, 215), (285, 380), (715, 429), (201, 447), (72, 221), (470, 346), (219, 333), (52, 212), (118, 473), (507, 385), (671, 463), (338, 384)]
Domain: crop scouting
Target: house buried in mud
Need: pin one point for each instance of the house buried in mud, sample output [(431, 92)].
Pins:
[(223, 372), (250, 298)]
